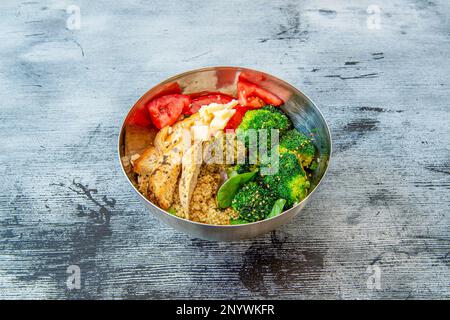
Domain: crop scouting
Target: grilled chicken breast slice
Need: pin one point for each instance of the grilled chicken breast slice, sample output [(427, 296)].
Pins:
[(191, 163), (147, 162), (164, 178)]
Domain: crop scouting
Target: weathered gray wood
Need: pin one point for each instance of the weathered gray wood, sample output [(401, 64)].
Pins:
[(64, 201)]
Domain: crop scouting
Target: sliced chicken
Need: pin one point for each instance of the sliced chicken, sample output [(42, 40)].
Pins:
[(164, 178), (191, 163), (142, 185), (168, 137), (147, 162)]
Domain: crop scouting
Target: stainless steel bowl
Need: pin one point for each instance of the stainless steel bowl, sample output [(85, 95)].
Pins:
[(302, 111)]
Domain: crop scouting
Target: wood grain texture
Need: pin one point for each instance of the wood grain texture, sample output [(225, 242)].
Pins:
[(64, 200)]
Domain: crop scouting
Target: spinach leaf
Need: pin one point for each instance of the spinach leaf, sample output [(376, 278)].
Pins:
[(230, 187), (231, 173), (277, 208)]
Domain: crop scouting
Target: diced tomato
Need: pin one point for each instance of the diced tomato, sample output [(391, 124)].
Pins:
[(139, 118), (236, 119), (255, 102), (166, 110), (253, 77), (204, 100), (139, 115), (252, 95), (262, 81)]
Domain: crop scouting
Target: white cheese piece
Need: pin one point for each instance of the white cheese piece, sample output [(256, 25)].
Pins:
[(221, 119), (231, 104), (200, 132), (212, 119), (207, 112)]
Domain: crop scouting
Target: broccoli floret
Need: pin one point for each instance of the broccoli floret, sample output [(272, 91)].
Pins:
[(244, 167), (272, 108), (290, 181), (298, 143), (253, 202), (268, 117)]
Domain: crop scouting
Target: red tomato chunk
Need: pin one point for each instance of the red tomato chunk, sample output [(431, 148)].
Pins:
[(236, 119), (166, 110), (252, 95), (199, 101)]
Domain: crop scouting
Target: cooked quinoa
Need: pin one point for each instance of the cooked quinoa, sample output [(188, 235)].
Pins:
[(203, 204)]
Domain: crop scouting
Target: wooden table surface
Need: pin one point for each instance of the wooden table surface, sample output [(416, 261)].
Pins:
[(379, 71)]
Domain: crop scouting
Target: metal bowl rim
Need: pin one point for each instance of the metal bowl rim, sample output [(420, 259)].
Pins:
[(236, 225)]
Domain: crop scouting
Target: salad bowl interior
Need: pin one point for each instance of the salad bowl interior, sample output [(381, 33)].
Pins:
[(303, 113)]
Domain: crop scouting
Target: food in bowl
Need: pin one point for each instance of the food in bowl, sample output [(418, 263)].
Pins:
[(224, 157)]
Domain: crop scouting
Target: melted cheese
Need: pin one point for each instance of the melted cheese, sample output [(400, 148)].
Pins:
[(215, 116)]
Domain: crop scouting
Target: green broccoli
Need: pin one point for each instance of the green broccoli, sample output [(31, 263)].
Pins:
[(296, 142), (253, 202), (290, 181), (244, 167), (268, 117)]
